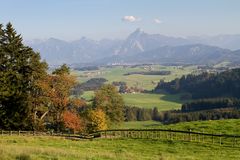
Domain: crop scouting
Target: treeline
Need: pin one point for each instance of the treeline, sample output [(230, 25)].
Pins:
[(205, 85), (87, 68), (141, 114), (207, 104), (170, 117), (176, 116), (150, 73), (90, 85)]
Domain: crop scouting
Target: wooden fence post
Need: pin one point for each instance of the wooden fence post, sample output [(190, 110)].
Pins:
[(220, 140), (212, 139), (105, 132), (234, 140), (190, 137), (170, 133), (203, 135)]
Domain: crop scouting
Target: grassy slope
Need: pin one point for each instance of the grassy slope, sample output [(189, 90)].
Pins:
[(230, 126), (161, 101), (39, 148)]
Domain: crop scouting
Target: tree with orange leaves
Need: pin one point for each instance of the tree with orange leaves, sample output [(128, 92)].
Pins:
[(73, 121), (56, 90)]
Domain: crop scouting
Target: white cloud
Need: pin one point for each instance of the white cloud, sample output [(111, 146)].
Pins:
[(158, 21), (130, 19)]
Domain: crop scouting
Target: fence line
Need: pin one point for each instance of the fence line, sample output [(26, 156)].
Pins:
[(161, 134), (176, 135)]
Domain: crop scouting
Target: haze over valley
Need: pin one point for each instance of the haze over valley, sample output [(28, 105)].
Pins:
[(140, 47)]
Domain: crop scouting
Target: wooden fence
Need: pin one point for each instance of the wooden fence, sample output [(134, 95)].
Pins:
[(157, 134), (174, 135)]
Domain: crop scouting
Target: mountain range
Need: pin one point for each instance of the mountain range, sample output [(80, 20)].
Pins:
[(140, 47)]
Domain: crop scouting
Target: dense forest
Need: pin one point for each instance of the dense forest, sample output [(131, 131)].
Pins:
[(215, 103), (205, 85), (176, 116)]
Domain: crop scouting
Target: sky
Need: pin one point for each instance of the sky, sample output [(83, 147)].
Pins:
[(115, 19)]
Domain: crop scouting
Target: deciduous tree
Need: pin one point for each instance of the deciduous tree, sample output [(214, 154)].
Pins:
[(111, 102)]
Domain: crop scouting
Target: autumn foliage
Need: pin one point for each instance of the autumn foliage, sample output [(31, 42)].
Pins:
[(72, 121), (97, 120)]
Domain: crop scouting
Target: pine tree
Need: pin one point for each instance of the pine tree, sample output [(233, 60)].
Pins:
[(155, 114), (20, 69)]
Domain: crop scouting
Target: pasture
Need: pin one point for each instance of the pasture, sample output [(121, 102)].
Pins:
[(55, 148), (161, 101), (228, 126), (146, 100), (148, 82)]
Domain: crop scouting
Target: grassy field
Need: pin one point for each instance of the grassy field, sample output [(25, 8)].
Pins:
[(161, 101), (50, 148), (147, 82), (230, 126), (55, 148)]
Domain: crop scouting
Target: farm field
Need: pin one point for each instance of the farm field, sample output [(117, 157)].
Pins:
[(161, 101), (147, 82), (146, 100), (45, 148)]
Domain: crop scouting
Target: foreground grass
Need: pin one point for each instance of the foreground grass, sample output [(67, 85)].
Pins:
[(230, 126), (39, 148)]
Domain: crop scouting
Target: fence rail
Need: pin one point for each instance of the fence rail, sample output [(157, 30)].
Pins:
[(177, 135), (161, 134)]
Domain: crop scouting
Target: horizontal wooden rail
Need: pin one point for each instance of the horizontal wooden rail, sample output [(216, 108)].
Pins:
[(161, 134)]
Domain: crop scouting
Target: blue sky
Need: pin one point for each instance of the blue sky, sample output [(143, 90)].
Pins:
[(96, 19)]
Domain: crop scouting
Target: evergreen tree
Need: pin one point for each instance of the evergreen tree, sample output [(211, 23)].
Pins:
[(155, 114), (63, 69), (20, 68)]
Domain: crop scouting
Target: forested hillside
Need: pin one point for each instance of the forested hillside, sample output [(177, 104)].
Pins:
[(206, 85)]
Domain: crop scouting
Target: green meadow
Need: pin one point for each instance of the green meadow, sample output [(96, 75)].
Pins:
[(145, 100), (56, 148), (162, 101), (148, 82), (228, 126)]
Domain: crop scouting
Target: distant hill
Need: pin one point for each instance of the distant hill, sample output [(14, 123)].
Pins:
[(206, 85), (56, 51), (186, 54), (139, 47)]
